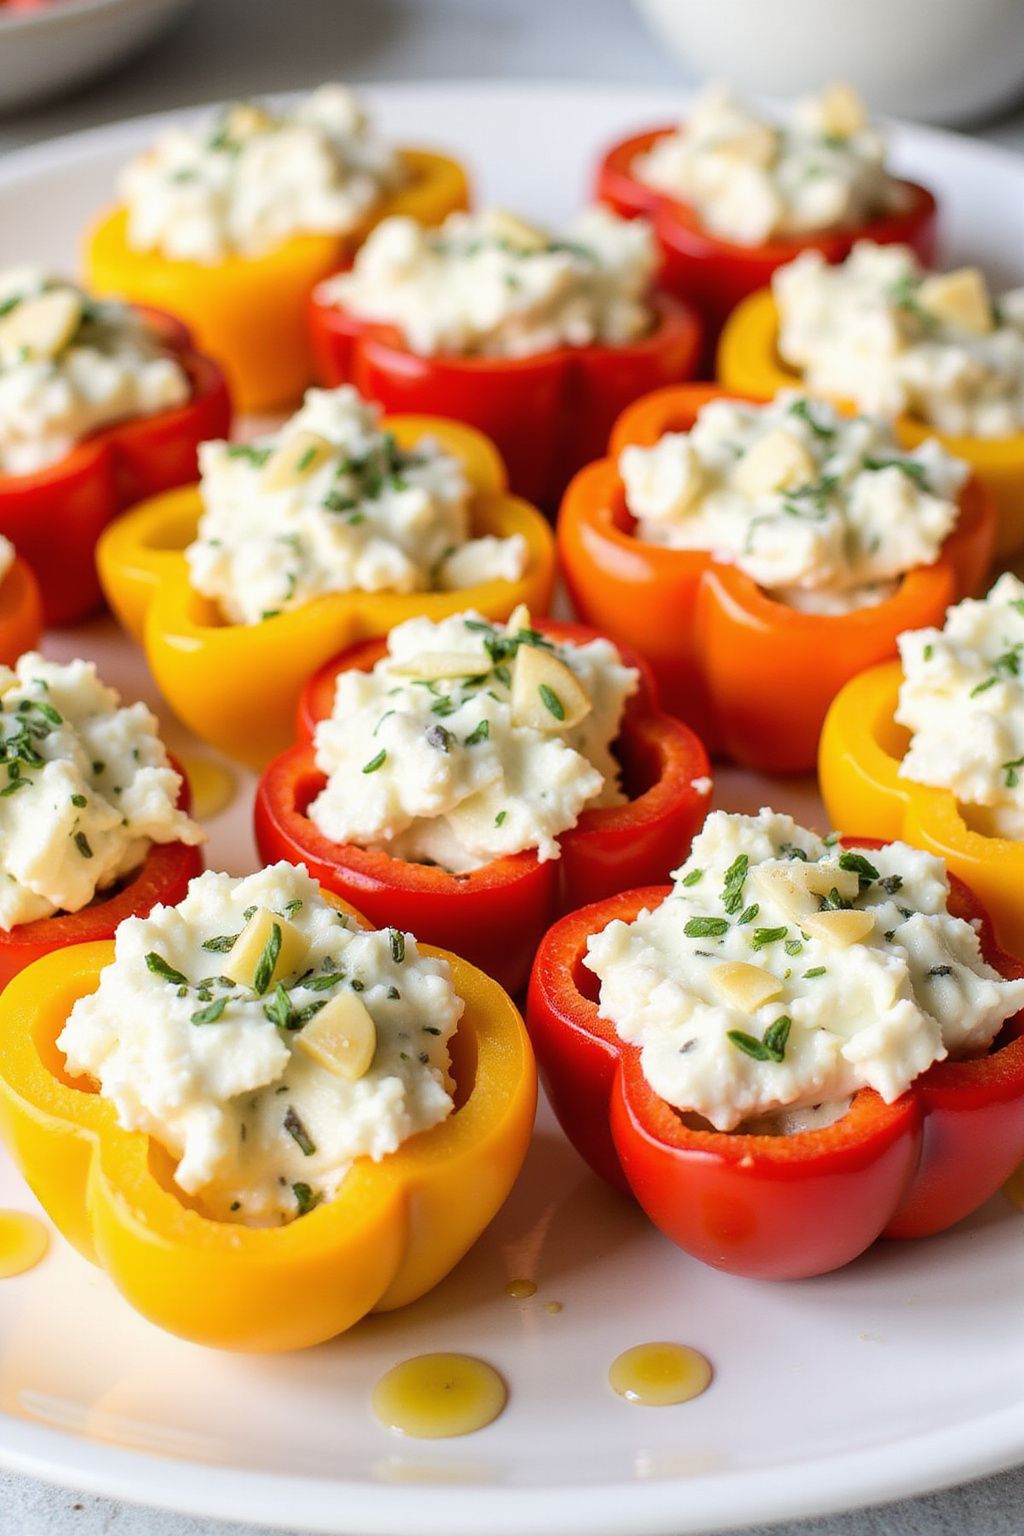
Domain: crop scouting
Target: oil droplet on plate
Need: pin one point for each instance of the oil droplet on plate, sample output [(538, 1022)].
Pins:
[(520, 1290), (212, 785), (554, 1307), (658, 1375), (23, 1242), (436, 1397)]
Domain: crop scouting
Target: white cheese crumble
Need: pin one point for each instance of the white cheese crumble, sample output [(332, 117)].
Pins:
[(86, 789), (488, 284), (330, 503), (70, 364), (880, 330), (498, 756), (255, 178), (751, 179), (962, 698), (823, 510), (826, 1016), (217, 1071)]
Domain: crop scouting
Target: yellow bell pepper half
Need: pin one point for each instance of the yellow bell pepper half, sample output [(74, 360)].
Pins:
[(250, 313), (749, 363), (237, 685), (392, 1232), (858, 767)]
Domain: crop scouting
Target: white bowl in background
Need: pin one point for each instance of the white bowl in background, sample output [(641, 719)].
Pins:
[(49, 50), (943, 61)]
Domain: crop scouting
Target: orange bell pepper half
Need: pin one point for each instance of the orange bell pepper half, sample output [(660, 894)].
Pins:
[(752, 676), (250, 312), (21, 612), (392, 1232), (861, 751), (749, 363), (237, 685)]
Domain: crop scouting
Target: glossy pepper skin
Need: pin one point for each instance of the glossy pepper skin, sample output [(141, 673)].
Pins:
[(55, 515), (21, 612), (250, 312), (237, 685), (162, 877), (858, 768), (393, 1231), (752, 676), (498, 913), (775, 1207), (748, 361), (548, 413), (715, 273)]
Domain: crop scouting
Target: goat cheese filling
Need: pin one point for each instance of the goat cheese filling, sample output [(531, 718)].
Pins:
[(330, 503), (489, 284), (69, 365), (962, 699), (86, 789), (823, 511), (255, 178), (881, 331), (751, 179), (266, 1042), (784, 973), (469, 741)]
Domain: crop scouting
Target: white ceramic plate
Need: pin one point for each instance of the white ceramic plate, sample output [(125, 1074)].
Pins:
[(901, 1373), (46, 51)]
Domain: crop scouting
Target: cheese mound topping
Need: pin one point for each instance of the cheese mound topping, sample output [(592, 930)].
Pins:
[(266, 1042), (330, 503), (470, 741), (751, 179), (883, 332), (68, 365), (489, 284), (824, 511), (86, 789), (255, 178), (962, 697), (784, 973)]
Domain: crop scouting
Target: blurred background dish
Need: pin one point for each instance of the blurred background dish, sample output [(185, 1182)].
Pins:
[(942, 61), (50, 45)]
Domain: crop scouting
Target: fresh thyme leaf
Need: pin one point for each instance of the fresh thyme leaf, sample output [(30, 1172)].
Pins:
[(159, 966), (305, 1198), (211, 1013), (735, 875), (479, 733), (706, 927), (220, 944), (297, 1131), (397, 945), (82, 844), (267, 961), (859, 865), (552, 703), (761, 937), (376, 762), (693, 878)]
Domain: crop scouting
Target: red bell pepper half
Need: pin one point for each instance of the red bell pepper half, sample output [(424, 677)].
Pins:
[(494, 916), (714, 273), (162, 877), (548, 414), (54, 516), (775, 1207)]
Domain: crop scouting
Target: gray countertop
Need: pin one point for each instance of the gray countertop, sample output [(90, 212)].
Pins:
[(227, 48)]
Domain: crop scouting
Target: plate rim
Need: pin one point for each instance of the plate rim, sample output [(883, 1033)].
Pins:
[(669, 1506)]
